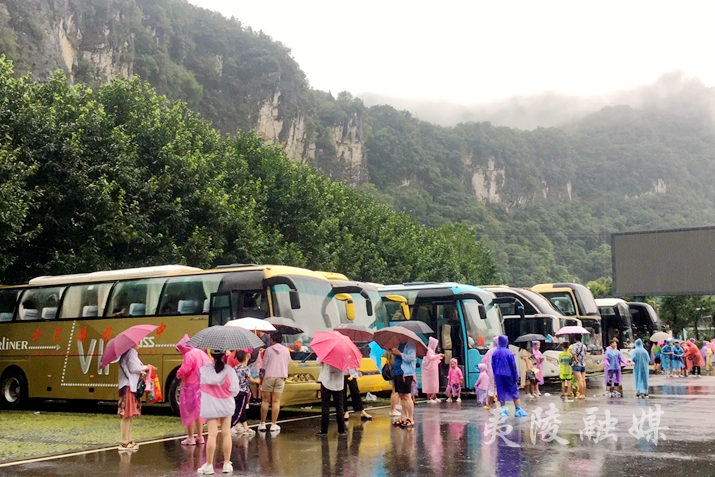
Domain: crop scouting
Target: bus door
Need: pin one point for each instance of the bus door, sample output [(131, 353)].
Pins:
[(450, 332)]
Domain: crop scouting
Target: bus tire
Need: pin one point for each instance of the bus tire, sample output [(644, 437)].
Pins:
[(13, 388), (173, 396)]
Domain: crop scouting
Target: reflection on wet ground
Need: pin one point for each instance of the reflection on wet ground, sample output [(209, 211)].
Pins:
[(599, 437)]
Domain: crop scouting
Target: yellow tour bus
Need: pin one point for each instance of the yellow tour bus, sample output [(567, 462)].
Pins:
[(54, 329), (575, 300)]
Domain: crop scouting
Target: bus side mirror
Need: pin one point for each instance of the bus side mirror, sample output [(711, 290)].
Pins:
[(368, 307), (294, 299), (520, 309), (482, 312), (349, 304), (406, 311)]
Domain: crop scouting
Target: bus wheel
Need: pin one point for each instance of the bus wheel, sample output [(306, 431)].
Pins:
[(13, 388), (174, 388)]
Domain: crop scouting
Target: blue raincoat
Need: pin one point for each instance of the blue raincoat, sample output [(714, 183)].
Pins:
[(641, 360), (666, 357), (506, 376)]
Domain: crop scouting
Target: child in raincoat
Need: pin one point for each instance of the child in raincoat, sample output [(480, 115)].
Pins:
[(481, 388), (190, 391), (612, 361), (454, 381), (430, 371), (506, 377)]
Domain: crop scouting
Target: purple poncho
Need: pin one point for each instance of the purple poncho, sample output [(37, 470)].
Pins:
[(612, 361), (506, 376)]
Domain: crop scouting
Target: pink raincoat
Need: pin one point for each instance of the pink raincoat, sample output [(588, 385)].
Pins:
[(488, 362), (430, 368), (190, 392), (454, 379), (536, 353), (483, 381)]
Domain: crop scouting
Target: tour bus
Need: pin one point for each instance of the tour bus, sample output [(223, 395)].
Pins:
[(456, 312), (616, 323), (540, 317), (645, 320), (574, 300), (53, 331)]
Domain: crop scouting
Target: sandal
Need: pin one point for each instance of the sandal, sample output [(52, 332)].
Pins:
[(128, 446), (365, 417), (398, 423), (407, 424)]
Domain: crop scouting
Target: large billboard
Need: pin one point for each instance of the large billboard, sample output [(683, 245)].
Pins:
[(664, 262)]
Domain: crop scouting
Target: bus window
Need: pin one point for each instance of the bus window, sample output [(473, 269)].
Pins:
[(85, 301), (136, 297), (189, 295), (40, 303), (563, 302), (252, 304), (8, 301)]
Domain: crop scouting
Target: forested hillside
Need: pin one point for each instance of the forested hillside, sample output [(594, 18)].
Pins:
[(120, 177), (545, 201)]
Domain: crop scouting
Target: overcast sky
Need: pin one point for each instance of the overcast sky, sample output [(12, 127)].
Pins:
[(475, 51)]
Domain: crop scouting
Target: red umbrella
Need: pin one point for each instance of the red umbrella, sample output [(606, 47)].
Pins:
[(336, 349), (125, 341), (394, 336), (354, 332)]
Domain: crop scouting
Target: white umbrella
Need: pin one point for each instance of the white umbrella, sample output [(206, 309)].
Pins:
[(252, 324)]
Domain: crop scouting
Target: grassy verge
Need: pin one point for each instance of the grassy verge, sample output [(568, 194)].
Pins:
[(33, 433)]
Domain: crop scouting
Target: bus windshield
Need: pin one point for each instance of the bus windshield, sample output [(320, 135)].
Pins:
[(318, 308)]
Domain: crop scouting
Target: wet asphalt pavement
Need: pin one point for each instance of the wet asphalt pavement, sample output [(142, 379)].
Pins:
[(595, 437)]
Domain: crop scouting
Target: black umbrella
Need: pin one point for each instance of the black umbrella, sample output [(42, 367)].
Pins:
[(530, 337), (286, 326), (416, 326), (225, 338)]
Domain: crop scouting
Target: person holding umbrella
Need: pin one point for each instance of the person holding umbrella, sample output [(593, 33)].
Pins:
[(219, 387), (131, 369), (124, 348), (336, 353), (403, 372)]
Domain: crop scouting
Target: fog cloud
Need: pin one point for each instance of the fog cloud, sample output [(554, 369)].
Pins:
[(674, 92)]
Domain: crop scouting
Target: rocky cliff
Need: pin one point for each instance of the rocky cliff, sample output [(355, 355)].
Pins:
[(237, 78)]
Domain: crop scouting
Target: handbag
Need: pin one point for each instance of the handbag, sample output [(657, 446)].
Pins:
[(141, 385), (387, 372)]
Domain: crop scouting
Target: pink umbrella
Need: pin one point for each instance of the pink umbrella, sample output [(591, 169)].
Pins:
[(336, 349), (573, 330), (125, 341)]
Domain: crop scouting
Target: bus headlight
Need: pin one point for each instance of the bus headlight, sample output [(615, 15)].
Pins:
[(300, 378), (552, 361)]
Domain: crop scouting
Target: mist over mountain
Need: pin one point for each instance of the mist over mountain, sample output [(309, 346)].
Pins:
[(545, 200), (675, 92)]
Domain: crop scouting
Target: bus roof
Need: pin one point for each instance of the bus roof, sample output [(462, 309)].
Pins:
[(610, 301), (166, 271), (454, 287)]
